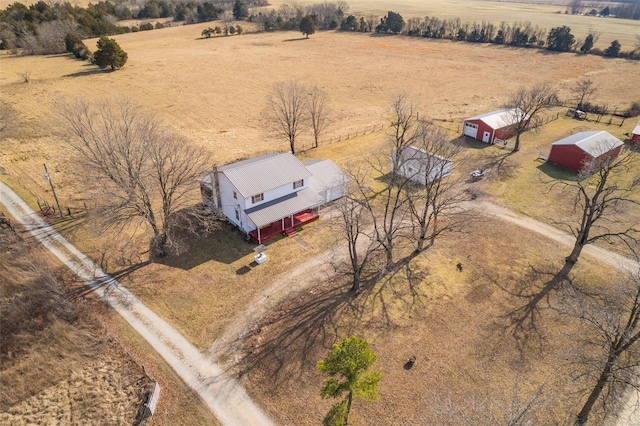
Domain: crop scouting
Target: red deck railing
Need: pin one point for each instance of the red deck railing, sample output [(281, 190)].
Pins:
[(278, 227)]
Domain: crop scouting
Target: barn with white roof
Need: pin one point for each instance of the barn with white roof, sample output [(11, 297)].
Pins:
[(492, 126), (574, 151)]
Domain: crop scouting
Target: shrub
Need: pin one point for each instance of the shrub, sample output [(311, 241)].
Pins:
[(634, 110), (109, 54), (146, 27), (159, 25), (613, 50), (75, 45)]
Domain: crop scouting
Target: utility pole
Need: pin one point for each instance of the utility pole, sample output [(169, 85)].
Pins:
[(48, 177)]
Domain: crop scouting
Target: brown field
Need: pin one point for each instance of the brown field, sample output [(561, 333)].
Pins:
[(545, 14), (58, 364), (451, 322), (213, 92)]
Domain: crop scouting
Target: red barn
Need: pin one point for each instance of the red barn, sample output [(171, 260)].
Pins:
[(635, 137), (575, 151), (491, 126)]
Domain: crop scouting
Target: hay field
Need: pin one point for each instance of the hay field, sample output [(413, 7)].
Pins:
[(546, 14), (213, 92)]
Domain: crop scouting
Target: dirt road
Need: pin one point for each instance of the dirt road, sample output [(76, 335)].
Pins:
[(308, 273), (222, 394)]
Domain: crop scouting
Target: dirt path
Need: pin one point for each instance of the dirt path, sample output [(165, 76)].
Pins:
[(222, 394), (597, 253), (308, 273)]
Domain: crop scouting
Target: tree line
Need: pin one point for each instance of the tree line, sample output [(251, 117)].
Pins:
[(624, 9), (517, 34), (41, 27)]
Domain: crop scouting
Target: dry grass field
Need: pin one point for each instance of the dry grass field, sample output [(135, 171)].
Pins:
[(452, 322), (546, 14), (58, 364), (213, 92)]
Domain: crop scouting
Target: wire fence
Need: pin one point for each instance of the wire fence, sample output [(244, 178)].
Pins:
[(373, 128)]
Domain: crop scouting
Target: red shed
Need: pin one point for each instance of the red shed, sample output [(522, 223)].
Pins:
[(491, 126), (575, 151), (635, 137)]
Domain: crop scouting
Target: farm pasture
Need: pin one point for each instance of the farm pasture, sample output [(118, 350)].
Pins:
[(545, 14), (213, 93)]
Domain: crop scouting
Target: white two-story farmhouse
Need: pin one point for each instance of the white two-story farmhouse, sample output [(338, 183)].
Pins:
[(264, 196)]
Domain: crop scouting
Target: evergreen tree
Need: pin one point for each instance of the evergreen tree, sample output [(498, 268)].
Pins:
[(613, 50), (109, 54), (240, 10), (394, 21), (346, 365), (560, 39), (588, 44), (307, 26)]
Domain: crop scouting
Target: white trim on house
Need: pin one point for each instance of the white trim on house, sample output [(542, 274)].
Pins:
[(262, 190)]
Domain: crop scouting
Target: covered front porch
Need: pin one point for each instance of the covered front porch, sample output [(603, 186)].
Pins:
[(283, 226), (283, 214)]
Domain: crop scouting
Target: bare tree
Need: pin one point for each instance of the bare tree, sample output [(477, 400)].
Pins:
[(388, 206), (525, 106), (612, 322), (575, 7), (286, 105), (227, 20), (436, 201), (602, 201), (372, 21), (355, 229), (146, 172), (318, 113), (582, 92)]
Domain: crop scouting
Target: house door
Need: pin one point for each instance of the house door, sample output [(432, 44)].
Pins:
[(486, 136)]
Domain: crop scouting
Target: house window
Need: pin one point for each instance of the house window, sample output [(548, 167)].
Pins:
[(237, 212), (257, 198), (298, 183), (235, 195)]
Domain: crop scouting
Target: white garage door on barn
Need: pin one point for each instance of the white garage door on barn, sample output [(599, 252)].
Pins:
[(470, 129)]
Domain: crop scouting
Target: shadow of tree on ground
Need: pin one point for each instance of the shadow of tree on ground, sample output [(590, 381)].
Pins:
[(302, 329)]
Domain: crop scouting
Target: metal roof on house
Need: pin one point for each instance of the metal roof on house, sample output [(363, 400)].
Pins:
[(496, 119), (282, 207), (594, 143), (324, 175), (636, 131), (260, 174)]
